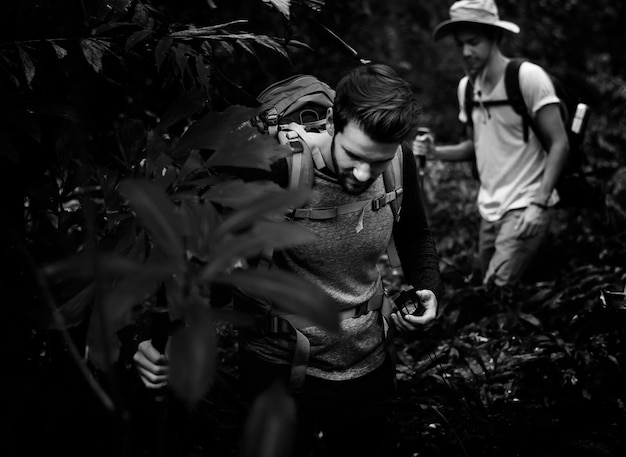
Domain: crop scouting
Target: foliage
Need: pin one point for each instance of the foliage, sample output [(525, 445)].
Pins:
[(123, 124)]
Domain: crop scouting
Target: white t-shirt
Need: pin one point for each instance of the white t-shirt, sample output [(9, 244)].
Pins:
[(510, 168)]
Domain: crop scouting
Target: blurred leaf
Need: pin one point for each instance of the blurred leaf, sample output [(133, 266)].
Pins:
[(237, 194), (263, 236), (74, 309), (156, 212), (199, 220), (116, 311), (270, 427), (233, 139), (290, 294), (87, 264), (275, 203), (193, 352)]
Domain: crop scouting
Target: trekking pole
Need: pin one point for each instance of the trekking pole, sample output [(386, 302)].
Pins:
[(420, 158), (160, 333)]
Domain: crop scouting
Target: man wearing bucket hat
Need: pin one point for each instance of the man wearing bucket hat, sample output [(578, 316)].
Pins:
[(517, 177)]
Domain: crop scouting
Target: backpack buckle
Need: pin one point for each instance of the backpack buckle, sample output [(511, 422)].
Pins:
[(271, 116)]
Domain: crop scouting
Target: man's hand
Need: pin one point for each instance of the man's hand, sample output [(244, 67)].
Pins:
[(424, 145), (152, 366), (532, 221), (410, 323)]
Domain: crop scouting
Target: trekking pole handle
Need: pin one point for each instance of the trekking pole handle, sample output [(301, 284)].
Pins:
[(423, 134)]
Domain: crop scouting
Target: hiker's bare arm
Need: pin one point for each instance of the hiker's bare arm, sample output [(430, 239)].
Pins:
[(410, 323), (464, 150), (534, 218), (552, 129), (152, 366)]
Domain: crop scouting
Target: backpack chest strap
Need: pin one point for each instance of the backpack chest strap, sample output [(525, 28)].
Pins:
[(331, 212)]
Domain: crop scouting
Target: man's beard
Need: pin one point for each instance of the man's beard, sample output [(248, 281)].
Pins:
[(346, 178)]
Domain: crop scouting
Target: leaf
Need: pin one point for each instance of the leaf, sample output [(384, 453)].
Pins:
[(233, 139), (93, 50), (263, 205), (86, 265), (161, 50), (131, 137), (193, 163), (263, 236), (238, 194), (204, 72), (59, 51), (181, 53), (131, 291), (115, 312), (28, 66), (270, 43), (199, 221), (74, 309), (281, 5), (193, 352), (532, 320), (136, 38), (187, 103), (271, 423), (156, 212), (288, 292)]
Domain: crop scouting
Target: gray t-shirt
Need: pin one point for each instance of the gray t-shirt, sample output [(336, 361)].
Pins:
[(343, 262)]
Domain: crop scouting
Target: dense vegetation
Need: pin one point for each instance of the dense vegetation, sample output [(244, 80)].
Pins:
[(120, 119)]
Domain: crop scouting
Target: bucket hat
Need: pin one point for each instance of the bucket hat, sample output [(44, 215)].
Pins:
[(484, 12)]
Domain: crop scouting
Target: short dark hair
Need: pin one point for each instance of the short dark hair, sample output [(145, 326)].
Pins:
[(379, 101)]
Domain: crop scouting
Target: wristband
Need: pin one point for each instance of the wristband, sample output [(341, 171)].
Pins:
[(540, 205)]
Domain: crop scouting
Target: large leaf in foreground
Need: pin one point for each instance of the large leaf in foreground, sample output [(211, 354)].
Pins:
[(273, 203), (289, 293), (116, 311), (262, 236), (237, 194), (192, 353), (156, 212), (270, 427), (233, 139)]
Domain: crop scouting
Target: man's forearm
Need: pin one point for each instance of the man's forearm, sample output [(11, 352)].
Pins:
[(555, 162), (456, 152)]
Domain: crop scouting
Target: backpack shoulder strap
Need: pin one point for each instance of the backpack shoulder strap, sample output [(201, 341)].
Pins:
[(516, 99), (392, 177), (469, 101)]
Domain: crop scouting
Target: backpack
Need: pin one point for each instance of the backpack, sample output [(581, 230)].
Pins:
[(290, 109), (572, 185)]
